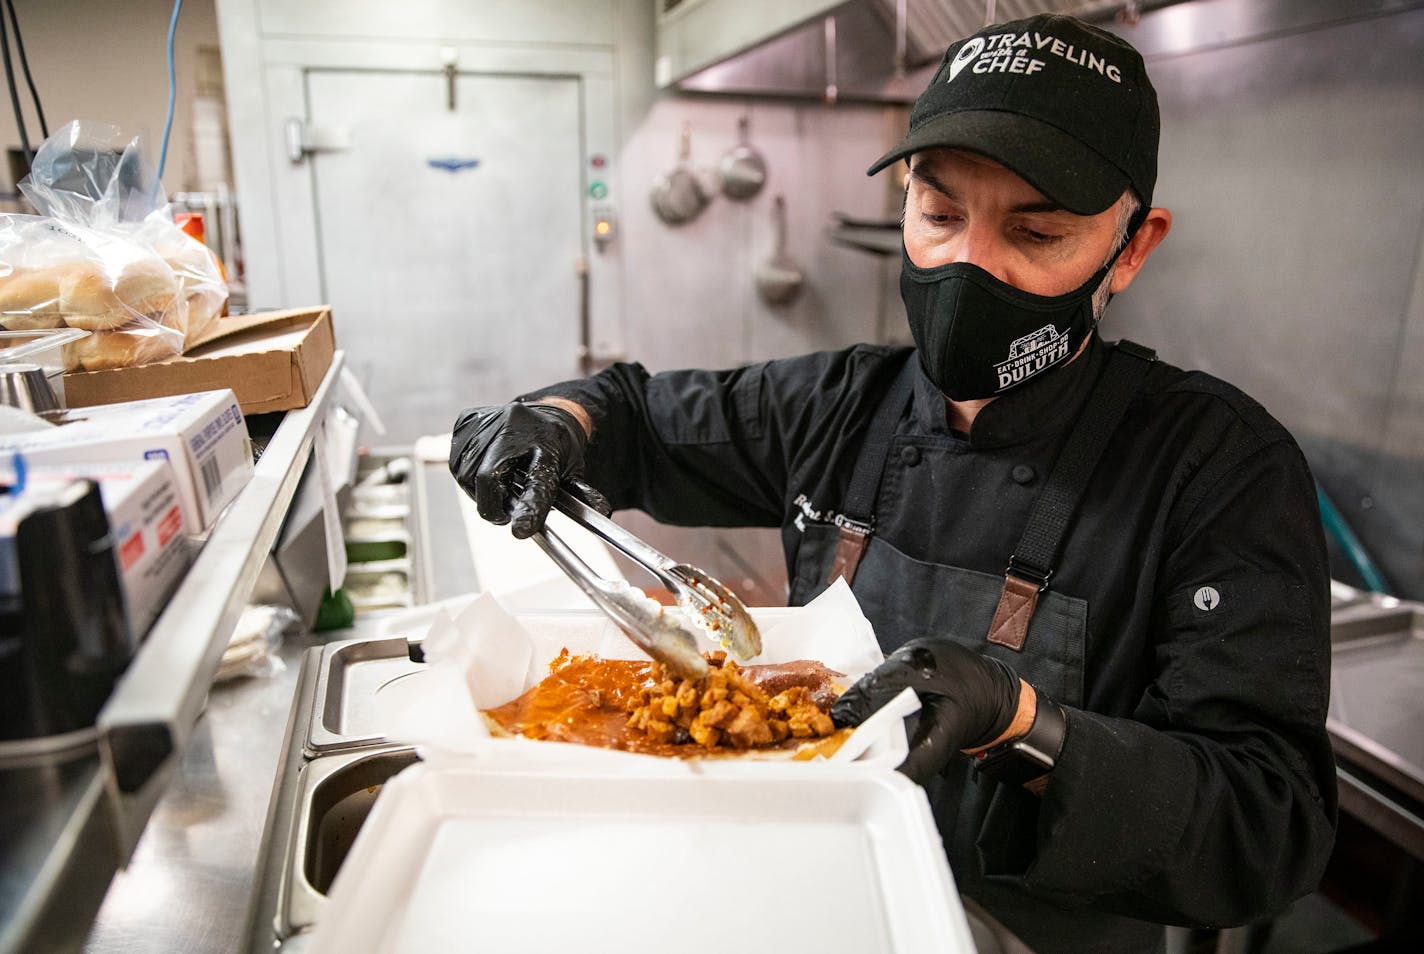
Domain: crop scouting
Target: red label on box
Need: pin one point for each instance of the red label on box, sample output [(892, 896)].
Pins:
[(169, 525), (130, 550)]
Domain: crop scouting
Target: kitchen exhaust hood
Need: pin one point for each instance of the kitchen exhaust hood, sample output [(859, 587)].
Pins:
[(862, 50)]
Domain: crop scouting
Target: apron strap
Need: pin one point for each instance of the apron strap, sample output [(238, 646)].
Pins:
[(857, 520), (1031, 566)]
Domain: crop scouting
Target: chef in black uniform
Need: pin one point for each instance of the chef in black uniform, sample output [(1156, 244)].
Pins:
[(1105, 576)]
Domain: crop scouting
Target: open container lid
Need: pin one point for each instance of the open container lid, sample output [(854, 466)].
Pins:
[(458, 858)]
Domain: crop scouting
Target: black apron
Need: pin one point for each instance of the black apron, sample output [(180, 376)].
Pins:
[(989, 830)]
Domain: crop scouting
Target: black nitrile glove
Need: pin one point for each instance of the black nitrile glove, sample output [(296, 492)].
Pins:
[(967, 700), (496, 450)]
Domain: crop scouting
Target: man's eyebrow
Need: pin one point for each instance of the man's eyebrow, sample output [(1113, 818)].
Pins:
[(933, 183), (1023, 208)]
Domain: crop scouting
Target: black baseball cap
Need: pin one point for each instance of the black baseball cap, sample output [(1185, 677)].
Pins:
[(1062, 103)]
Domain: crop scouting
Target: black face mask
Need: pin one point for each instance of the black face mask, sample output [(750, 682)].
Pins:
[(979, 337)]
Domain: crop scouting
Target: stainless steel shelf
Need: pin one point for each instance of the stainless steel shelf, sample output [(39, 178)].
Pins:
[(149, 718), (74, 818)]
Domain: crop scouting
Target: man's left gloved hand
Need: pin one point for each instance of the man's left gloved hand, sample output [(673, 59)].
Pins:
[(967, 700)]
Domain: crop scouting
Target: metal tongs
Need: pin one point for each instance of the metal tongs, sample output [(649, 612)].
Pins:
[(709, 609)]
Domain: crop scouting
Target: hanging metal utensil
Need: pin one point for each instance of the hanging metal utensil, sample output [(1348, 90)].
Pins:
[(779, 278), (679, 197), (743, 169)]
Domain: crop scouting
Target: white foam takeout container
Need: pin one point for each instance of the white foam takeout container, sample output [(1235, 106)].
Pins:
[(469, 859), (511, 845)]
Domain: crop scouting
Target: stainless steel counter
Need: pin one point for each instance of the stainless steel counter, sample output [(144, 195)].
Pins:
[(71, 820), (188, 884), (196, 876), (57, 850), (1376, 704)]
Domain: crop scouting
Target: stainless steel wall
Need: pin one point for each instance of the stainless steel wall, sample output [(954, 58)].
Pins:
[(1291, 157), (689, 292)]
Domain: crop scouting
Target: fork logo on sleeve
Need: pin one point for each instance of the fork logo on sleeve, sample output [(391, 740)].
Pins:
[(1206, 599)]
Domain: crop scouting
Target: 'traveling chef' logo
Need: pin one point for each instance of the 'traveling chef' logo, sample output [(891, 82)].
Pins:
[(1014, 53), (1031, 354)]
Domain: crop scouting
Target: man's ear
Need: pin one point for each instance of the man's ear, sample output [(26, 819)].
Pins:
[(1149, 235)]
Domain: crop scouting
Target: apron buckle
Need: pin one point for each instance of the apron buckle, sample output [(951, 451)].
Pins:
[(850, 547), (1028, 573)]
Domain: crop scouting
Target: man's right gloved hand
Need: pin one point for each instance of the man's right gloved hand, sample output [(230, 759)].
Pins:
[(967, 700), (496, 450)]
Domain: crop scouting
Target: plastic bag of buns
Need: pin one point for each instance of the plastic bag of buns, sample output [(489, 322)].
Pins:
[(103, 255)]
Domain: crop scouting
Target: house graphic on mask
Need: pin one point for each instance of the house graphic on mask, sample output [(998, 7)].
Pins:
[(1029, 344), (1031, 354)]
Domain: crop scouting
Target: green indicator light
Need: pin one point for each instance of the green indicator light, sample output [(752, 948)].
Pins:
[(598, 190)]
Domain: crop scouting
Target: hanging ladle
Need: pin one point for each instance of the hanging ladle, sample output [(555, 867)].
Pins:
[(779, 278), (743, 169)]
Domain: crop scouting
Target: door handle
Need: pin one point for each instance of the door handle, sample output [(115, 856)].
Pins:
[(450, 65), (303, 139)]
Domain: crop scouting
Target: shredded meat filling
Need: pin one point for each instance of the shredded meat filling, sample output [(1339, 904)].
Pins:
[(724, 708)]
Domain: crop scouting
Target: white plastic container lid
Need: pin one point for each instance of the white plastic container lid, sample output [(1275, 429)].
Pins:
[(461, 859)]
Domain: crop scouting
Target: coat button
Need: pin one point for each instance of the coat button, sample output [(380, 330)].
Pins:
[(910, 456), (1023, 474)]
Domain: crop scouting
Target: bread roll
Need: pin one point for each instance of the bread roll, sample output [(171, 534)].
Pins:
[(200, 280), (147, 286), (29, 299), (87, 299), (204, 307), (90, 299), (103, 350), (190, 260)]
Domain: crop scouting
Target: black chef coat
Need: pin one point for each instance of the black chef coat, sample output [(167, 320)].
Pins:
[(1196, 785)]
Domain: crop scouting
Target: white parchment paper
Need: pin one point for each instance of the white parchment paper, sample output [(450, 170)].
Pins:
[(484, 656)]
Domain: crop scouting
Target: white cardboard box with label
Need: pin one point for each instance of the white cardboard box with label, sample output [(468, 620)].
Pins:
[(202, 435), (145, 520)]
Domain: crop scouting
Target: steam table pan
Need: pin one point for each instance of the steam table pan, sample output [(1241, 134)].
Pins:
[(350, 673)]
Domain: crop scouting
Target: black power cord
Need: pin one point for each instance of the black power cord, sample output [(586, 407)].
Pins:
[(25, 65), (14, 93)]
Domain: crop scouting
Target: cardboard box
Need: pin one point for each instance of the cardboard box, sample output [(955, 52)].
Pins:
[(203, 436), (272, 361), (145, 520)]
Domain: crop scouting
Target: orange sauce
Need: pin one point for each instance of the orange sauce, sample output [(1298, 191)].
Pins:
[(585, 699)]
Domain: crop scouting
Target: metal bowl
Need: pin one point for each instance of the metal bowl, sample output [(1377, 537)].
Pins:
[(25, 386)]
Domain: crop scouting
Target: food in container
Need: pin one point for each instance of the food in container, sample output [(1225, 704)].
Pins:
[(375, 528), (638, 706), (371, 551)]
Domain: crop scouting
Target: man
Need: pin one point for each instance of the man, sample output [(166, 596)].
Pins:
[(1124, 729)]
